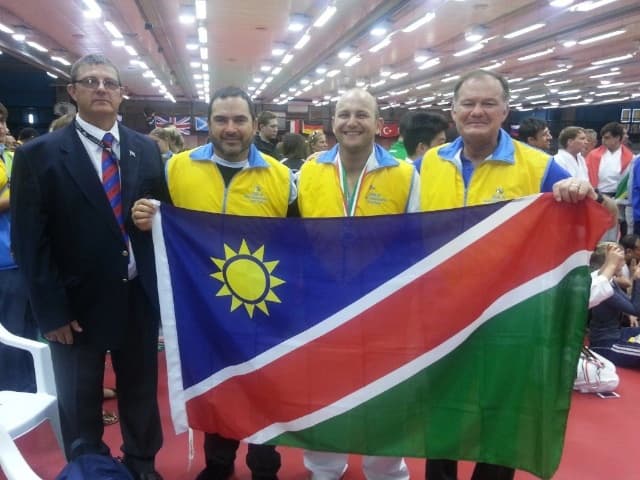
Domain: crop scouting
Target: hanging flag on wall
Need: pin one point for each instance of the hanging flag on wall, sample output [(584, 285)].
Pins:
[(202, 124), (308, 128), (183, 124), (452, 334), (389, 130)]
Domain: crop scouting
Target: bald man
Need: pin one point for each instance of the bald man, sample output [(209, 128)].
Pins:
[(372, 182)]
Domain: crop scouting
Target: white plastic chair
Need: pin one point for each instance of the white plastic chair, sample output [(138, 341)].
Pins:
[(22, 412)]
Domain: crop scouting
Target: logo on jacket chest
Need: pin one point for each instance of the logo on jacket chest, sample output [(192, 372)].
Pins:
[(257, 195), (374, 197)]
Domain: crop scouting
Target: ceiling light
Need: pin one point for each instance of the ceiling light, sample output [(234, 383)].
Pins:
[(523, 89), (385, 71), (603, 36), (560, 3), (302, 42), (287, 58), (514, 80), (201, 9), (276, 70), (93, 9), (118, 43), (204, 53), (493, 66), (400, 92), (352, 61), (531, 97), (320, 81), (61, 60), (553, 72), (569, 92), (37, 46), (539, 102), (20, 34), (569, 43), (475, 33), (611, 85), (420, 56), (187, 14), (420, 22), (537, 54), (590, 5), (380, 29), (559, 82), (424, 85), (325, 16), (321, 69), (149, 74), (195, 64), (333, 73), (279, 49), (5, 29), (602, 75), (450, 79), (604, 94), (51, 75), (297, 22), (577, 97), (613, 59), (522, 31), (202, 35), (346, 53), (378, 83), (205, 67), (131, 51), (398, 75), (466, 51), (192, 43), (115, 33), (380, 45), (432, 62)]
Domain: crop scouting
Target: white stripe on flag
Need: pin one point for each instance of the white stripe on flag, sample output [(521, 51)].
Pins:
[(167, 314), (528, 289), (377, 295)]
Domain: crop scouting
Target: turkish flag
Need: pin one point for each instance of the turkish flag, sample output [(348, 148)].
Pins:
[(389, 130)]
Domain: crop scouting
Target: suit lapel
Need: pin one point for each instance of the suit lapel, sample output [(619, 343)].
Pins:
[(130, 156), (77, 162)]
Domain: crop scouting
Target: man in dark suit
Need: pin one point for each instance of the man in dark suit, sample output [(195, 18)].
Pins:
[(90, 272)]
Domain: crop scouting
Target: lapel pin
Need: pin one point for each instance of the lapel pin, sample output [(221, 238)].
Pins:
[(132, 153)]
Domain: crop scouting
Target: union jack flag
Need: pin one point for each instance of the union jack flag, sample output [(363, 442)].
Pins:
[(183, 124)]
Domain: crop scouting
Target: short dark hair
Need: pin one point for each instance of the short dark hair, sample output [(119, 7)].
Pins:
[(530, 127), (421, 127), (614, 128), (294, 146), (4, 113), (92, 59), (568, 133), (265, 117), (27, 133), (226, 92), (629, 241), (482, 73)]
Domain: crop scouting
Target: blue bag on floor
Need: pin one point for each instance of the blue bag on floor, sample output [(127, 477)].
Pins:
[(92, 466)]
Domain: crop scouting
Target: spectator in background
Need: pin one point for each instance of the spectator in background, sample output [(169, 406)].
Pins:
[(422, 131), (535, 132), (265, 139), (10, 143), (16, 366), (607, 165), (62, 121), (27, 134), (572, 141), (317, 141), (169, 140), (592, 141), (149, 118), (294, 151)]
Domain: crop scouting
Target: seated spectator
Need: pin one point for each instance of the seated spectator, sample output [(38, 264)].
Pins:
[(606, 337)]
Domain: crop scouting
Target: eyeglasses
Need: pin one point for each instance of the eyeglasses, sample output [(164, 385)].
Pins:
[(93, 83)]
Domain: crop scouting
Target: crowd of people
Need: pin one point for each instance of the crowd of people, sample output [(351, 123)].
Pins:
[(79, 264)]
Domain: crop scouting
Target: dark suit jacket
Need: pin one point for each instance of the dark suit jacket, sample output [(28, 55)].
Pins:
[(66, 239)]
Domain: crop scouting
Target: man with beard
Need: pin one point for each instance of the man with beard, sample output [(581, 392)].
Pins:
[(201, 179)]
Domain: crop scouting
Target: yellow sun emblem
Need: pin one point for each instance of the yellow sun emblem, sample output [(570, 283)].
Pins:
[(247, 278)]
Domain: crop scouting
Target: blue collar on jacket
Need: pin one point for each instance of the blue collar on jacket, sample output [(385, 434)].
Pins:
[(205, 153), (383, 158), (504, 152)]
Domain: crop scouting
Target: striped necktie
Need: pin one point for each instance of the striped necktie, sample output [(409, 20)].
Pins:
[(111, 182)]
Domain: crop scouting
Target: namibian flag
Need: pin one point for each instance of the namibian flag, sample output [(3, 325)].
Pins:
[(452, 334)]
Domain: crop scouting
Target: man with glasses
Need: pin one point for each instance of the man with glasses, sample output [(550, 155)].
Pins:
[(484, 165), (90, 274)]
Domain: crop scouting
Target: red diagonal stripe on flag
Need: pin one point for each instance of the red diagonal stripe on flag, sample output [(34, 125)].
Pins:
[(330, 367)]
